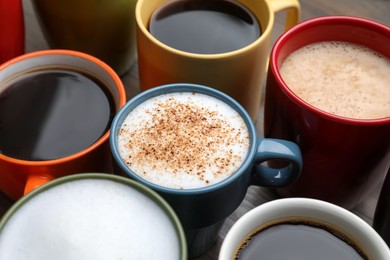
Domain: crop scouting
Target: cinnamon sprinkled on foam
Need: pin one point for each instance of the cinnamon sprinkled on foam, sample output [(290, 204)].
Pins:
[(184, 140)]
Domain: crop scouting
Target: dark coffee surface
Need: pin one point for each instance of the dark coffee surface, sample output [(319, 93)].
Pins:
[(298, 241), (205, 26), (51, 114)]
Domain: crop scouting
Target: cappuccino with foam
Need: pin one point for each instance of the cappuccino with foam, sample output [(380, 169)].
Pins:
[(341, 78), (95, 219), (183, 140)]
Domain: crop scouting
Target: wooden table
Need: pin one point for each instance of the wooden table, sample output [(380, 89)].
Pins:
[(378, 10)]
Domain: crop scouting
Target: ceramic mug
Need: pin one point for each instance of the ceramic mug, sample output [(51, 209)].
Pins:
[(19, 176), (11, 29), (345, 158), (104, 29), (238, 73), (92, 216), (328, 219), (203, 209)]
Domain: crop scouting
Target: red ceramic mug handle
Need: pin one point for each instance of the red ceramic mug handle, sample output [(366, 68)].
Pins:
[(11, 29)]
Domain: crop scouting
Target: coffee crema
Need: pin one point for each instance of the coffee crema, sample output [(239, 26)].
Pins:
[(89, 219), (341, 78), (205, 26), (183, 140), (53, 113), (298, 239)]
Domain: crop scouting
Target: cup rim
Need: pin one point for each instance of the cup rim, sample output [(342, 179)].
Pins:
[(154, 196), (284, 206), (312, 22), (261, 38), (119, 87), (182, 87)]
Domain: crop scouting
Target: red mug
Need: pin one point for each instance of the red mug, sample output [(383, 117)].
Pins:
[(344, 159), (11, 29)]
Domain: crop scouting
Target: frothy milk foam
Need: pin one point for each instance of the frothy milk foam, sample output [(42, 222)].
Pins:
[(341, 78), (89, 219), (183, 140)]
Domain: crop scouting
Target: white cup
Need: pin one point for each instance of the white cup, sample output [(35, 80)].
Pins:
[(343, 220)]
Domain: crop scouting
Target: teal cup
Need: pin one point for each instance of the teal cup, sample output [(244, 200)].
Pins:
[(203, 210)]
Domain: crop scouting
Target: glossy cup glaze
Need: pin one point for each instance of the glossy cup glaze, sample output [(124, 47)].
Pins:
[(344, 158), (11, 29), (24, 201), (203, 211), (238, 73), (341, 219), (104, 29), (18, 177)]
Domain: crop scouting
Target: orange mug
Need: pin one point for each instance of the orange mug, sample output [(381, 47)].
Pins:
[(19, 176)]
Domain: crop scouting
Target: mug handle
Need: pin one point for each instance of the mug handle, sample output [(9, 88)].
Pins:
[(273, 151), (292, 8), (34, 181)]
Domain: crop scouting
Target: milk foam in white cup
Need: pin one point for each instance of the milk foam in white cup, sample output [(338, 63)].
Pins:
[(91, 216)]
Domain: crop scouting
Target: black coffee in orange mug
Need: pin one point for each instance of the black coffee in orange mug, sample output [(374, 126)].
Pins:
[(55, 113)]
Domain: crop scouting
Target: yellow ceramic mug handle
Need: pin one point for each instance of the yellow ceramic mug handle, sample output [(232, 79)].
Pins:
[(291, 7), (34, 181)]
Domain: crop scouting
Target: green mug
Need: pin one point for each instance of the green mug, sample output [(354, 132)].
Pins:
[(104, 29), (92, 216)]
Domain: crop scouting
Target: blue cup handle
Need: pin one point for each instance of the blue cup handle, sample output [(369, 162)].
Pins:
[(276, 151)]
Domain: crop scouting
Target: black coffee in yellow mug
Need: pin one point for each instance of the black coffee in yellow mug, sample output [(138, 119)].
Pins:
[(204, 26)]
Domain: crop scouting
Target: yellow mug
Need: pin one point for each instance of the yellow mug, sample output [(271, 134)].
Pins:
[(238, 73)]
